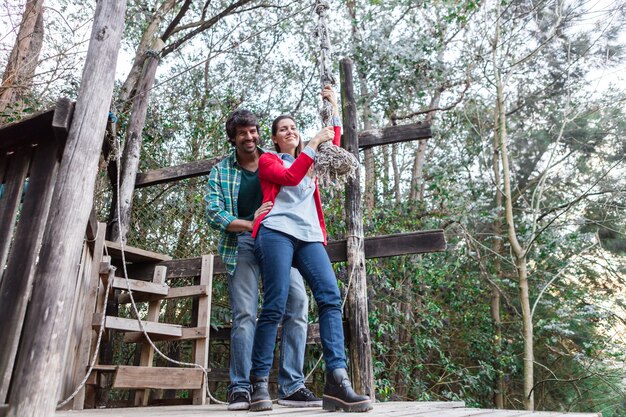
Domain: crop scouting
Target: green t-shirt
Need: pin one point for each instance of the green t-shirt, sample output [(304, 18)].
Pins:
[(250, 195)]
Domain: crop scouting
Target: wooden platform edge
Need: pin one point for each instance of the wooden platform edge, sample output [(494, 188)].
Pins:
[(133, 254), (388, 408)]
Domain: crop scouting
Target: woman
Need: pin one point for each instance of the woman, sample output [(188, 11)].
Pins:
[(293, 233)]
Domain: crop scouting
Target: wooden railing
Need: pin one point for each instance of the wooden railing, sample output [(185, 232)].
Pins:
[(30, 153)]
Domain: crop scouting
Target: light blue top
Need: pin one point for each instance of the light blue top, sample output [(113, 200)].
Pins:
[(294, 211)]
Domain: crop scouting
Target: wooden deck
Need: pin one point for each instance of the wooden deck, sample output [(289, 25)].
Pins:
[(394, 409)]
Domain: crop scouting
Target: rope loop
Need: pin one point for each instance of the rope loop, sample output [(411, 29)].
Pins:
[(321, 6)]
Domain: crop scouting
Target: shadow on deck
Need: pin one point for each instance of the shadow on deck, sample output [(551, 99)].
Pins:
[(395, 409)]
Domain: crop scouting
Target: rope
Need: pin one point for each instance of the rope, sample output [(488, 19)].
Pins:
[(333, 164)]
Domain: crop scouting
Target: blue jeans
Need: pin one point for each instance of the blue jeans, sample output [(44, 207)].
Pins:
[(243, 288), (277, 252)]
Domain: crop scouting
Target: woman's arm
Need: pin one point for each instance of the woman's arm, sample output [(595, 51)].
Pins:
[(329, 94), (271, 168)]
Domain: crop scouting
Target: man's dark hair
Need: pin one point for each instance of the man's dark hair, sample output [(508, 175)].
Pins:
[(238, 118)]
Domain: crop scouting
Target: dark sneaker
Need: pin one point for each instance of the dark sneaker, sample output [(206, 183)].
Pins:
[(239, 400), (301, 398)]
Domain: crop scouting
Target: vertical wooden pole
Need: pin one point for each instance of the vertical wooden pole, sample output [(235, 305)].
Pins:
[(88, 336), (142, 397), (201, 346), (37, 375), (360, 343)]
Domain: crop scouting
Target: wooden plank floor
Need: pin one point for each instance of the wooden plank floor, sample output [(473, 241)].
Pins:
[(393, 409)]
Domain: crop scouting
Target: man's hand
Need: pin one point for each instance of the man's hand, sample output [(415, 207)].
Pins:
[(264, 208)]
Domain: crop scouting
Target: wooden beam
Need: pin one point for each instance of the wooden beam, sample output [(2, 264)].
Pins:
[(62, 118), (14, 172), (392, 245), (40, 128), (92, 227), (173, 293), (176, 173), (367, 138), (200, 349), (394, 134), (34, 389), (133, 254), (375, 247), (134, 377), (132, 325), (188, 333), (145, 287)]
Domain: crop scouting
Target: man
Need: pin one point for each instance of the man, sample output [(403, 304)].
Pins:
[(233, 203)]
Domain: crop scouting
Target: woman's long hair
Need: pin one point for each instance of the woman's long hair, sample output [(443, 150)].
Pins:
[(275, 129)]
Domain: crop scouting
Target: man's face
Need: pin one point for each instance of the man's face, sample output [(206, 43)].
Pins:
[(246, 139)]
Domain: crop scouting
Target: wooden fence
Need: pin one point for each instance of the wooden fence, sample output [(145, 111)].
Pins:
[(30, 154)]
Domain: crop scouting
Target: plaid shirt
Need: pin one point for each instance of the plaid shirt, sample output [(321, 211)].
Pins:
[(221, 206)]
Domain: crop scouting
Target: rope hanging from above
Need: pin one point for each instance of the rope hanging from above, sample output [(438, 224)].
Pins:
[(333, 164)]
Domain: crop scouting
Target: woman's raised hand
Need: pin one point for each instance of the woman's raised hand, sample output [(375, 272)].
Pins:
[(324, 135), (329, 94)]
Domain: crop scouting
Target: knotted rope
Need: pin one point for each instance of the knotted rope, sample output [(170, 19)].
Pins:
[(333, 164)]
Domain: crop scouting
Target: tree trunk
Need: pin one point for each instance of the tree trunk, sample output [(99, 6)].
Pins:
[(132, 80), (370, 164), (134, 140), (385, 168), (396, 174), (518, 251), (35, 388), (497, 267), (416, 191), (18, 75)]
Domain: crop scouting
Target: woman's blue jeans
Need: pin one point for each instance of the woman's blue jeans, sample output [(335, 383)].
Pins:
[(243, 288), (276, 252)]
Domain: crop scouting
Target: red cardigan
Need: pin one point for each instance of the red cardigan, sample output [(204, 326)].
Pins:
[(273, 175)]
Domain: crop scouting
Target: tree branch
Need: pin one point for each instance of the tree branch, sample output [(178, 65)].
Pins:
[(181, 13)]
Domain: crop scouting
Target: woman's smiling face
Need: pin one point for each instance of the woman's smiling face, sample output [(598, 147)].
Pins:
[(287, 137)]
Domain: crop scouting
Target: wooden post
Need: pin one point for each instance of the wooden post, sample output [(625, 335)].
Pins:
[(201, 346), (88, 336), (37, 375), (147, 352), (360, 343)]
